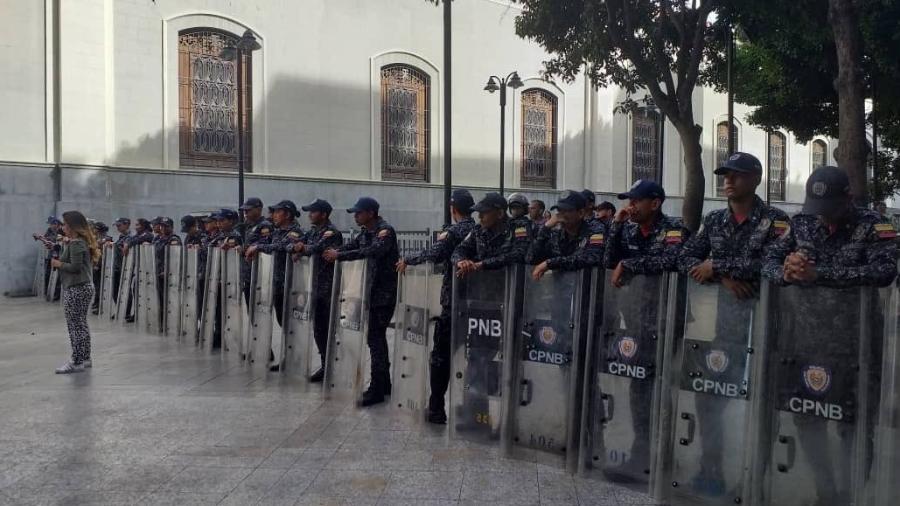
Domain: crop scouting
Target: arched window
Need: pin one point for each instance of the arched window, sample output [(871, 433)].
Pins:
[(722, 152), (819, 149), (777, 165), (646, 145), (538, 138), (207, 96), (405, 132)]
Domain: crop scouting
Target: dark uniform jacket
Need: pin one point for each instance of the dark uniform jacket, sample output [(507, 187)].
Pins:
[(278, 244), (379, 245), (736, 250), (317, 240), (259, 232), (654, 253), (145, 237), (230, 239), (494, 249), (442, 250), (121, 241), (861, 252), (159, 246), (568, 253)]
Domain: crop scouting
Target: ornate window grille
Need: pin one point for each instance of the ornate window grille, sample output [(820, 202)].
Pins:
[(722, 152), (819, 148), (539, 113), (207, 101), (777, 165), (405, 122), (646, 145)]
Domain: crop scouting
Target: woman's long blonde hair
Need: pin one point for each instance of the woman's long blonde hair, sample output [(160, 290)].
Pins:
[(79, 226)]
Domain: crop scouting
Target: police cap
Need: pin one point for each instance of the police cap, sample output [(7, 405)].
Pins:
[(570, 201), (226, 214), (187, 222), (462, 200), (287, 205), (122, 221), (643, 189), (251, 203), (491, 201), (318, 205), (365, 204), (740, 162), (827, 190), (517, 200)]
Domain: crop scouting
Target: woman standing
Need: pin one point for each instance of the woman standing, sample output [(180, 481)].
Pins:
[(80, 252)]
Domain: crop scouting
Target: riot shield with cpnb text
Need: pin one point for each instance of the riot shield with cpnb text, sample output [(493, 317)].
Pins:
[(125, 298), (147, 307), (821, 391), (172, 291), (479, 346), (40, 281), (344, 372), (419, 301), (712, 372), (190, 296), (234, 307), (548, 365), (209, 318), (260, 349), (300, 355), (623, 387), (107, 305)]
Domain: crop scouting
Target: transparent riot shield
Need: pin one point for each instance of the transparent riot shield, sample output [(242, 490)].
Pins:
[(344, 372), (40, 281), (172, 301), (149, 301), (887, 428), (623, 389), (209, 315), (419, 302), (234, 308), (300, 354), (108, 260), (548, 364), (190, 296), (260, 350), (712, 366), (478, 345), (822, 387), (51, 284), (124, 300)]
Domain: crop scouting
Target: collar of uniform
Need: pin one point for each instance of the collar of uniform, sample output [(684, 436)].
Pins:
[(752, 218), (848, 225), (289, 225)]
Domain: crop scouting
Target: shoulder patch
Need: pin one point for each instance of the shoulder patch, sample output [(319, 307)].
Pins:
[(780, 227), (521, 233), (384, 233), (596, 239), (442, 236), (673, 237), (327, 234), (885, 231)]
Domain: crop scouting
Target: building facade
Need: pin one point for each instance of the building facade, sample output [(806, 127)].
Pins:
[(143, 107)]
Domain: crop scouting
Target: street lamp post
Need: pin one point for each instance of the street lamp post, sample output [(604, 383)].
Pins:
[(246, 44), (497, 84)]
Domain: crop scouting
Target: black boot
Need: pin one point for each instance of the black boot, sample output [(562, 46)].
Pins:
[(373, 395), (386, 384), (318, 376), (436, 413)]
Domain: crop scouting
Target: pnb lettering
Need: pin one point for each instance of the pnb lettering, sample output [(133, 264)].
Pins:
[(632, 371), (714, 387), (816, 408), (487, 328)]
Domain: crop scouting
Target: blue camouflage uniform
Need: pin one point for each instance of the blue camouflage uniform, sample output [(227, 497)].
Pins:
[(318, 239), (568, 253), (652, 253), (494, 249), (280, 242), (257, 234), (441, 251)]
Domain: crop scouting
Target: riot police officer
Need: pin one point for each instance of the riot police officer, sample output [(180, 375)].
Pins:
[(729, 249), (517, 204), (256, 230), (210, 227), (287, 231), (227, 237), (494, 242), (190, 227), (101, 232), (377, 242), (142, 235), (461, 204), (194, 238), (641, 239), (604, 212), (574, 244), (321, 236), (123, 226), (164, 239)]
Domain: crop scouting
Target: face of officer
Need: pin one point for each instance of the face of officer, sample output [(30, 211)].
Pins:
[(165, 230), (157, 229), (281, 217), (605, 213), (740, 185), (517, 211), (224, 224), (253, 214), (570, 217), (363, 218), (54, 227), (643, 211), (535, 210), (317, 218), (122, 227), (490, 219)]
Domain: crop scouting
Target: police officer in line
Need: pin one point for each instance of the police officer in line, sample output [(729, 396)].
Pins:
[(209, 228), (604, 212), (588, 211), (377, 242), (279, 242), (729, 249), (227, 237), (567, 241), (190, 227), (123, 227), (461, 204), (255, 230), (494, 242), (517, 204), (143, 234), (321, 236), (165, 238), (49, 239), (194, 239), (101, 233), (832, 243), (641, 239)]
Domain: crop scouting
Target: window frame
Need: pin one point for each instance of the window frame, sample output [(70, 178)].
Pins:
[(721, 154), (812, 154), (422, 172), (777, 175), (547, 181), (659, 141)]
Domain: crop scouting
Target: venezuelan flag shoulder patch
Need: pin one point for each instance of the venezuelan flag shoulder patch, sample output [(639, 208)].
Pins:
[(596, 239), (885, 231)]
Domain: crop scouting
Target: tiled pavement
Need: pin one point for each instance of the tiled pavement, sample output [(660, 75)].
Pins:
[(159, 422)]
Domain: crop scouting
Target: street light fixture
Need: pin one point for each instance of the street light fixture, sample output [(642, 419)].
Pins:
[(495, 84), (246, 44)]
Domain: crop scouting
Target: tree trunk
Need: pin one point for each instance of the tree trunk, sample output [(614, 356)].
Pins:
[(695, 180), (852, 146)]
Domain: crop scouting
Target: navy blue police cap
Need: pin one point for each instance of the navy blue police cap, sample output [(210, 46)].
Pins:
[(570, 201), (53, 220), (251, 203), (226, 214), (187, 222), (122, 221), (740, 162), (365, 204), (827, 190), (589, 196), (462, 200), (491, 201), (287, 205), (318, 205), (643, 189)]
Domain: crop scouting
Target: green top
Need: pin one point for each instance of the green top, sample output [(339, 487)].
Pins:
[(76, 264)]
